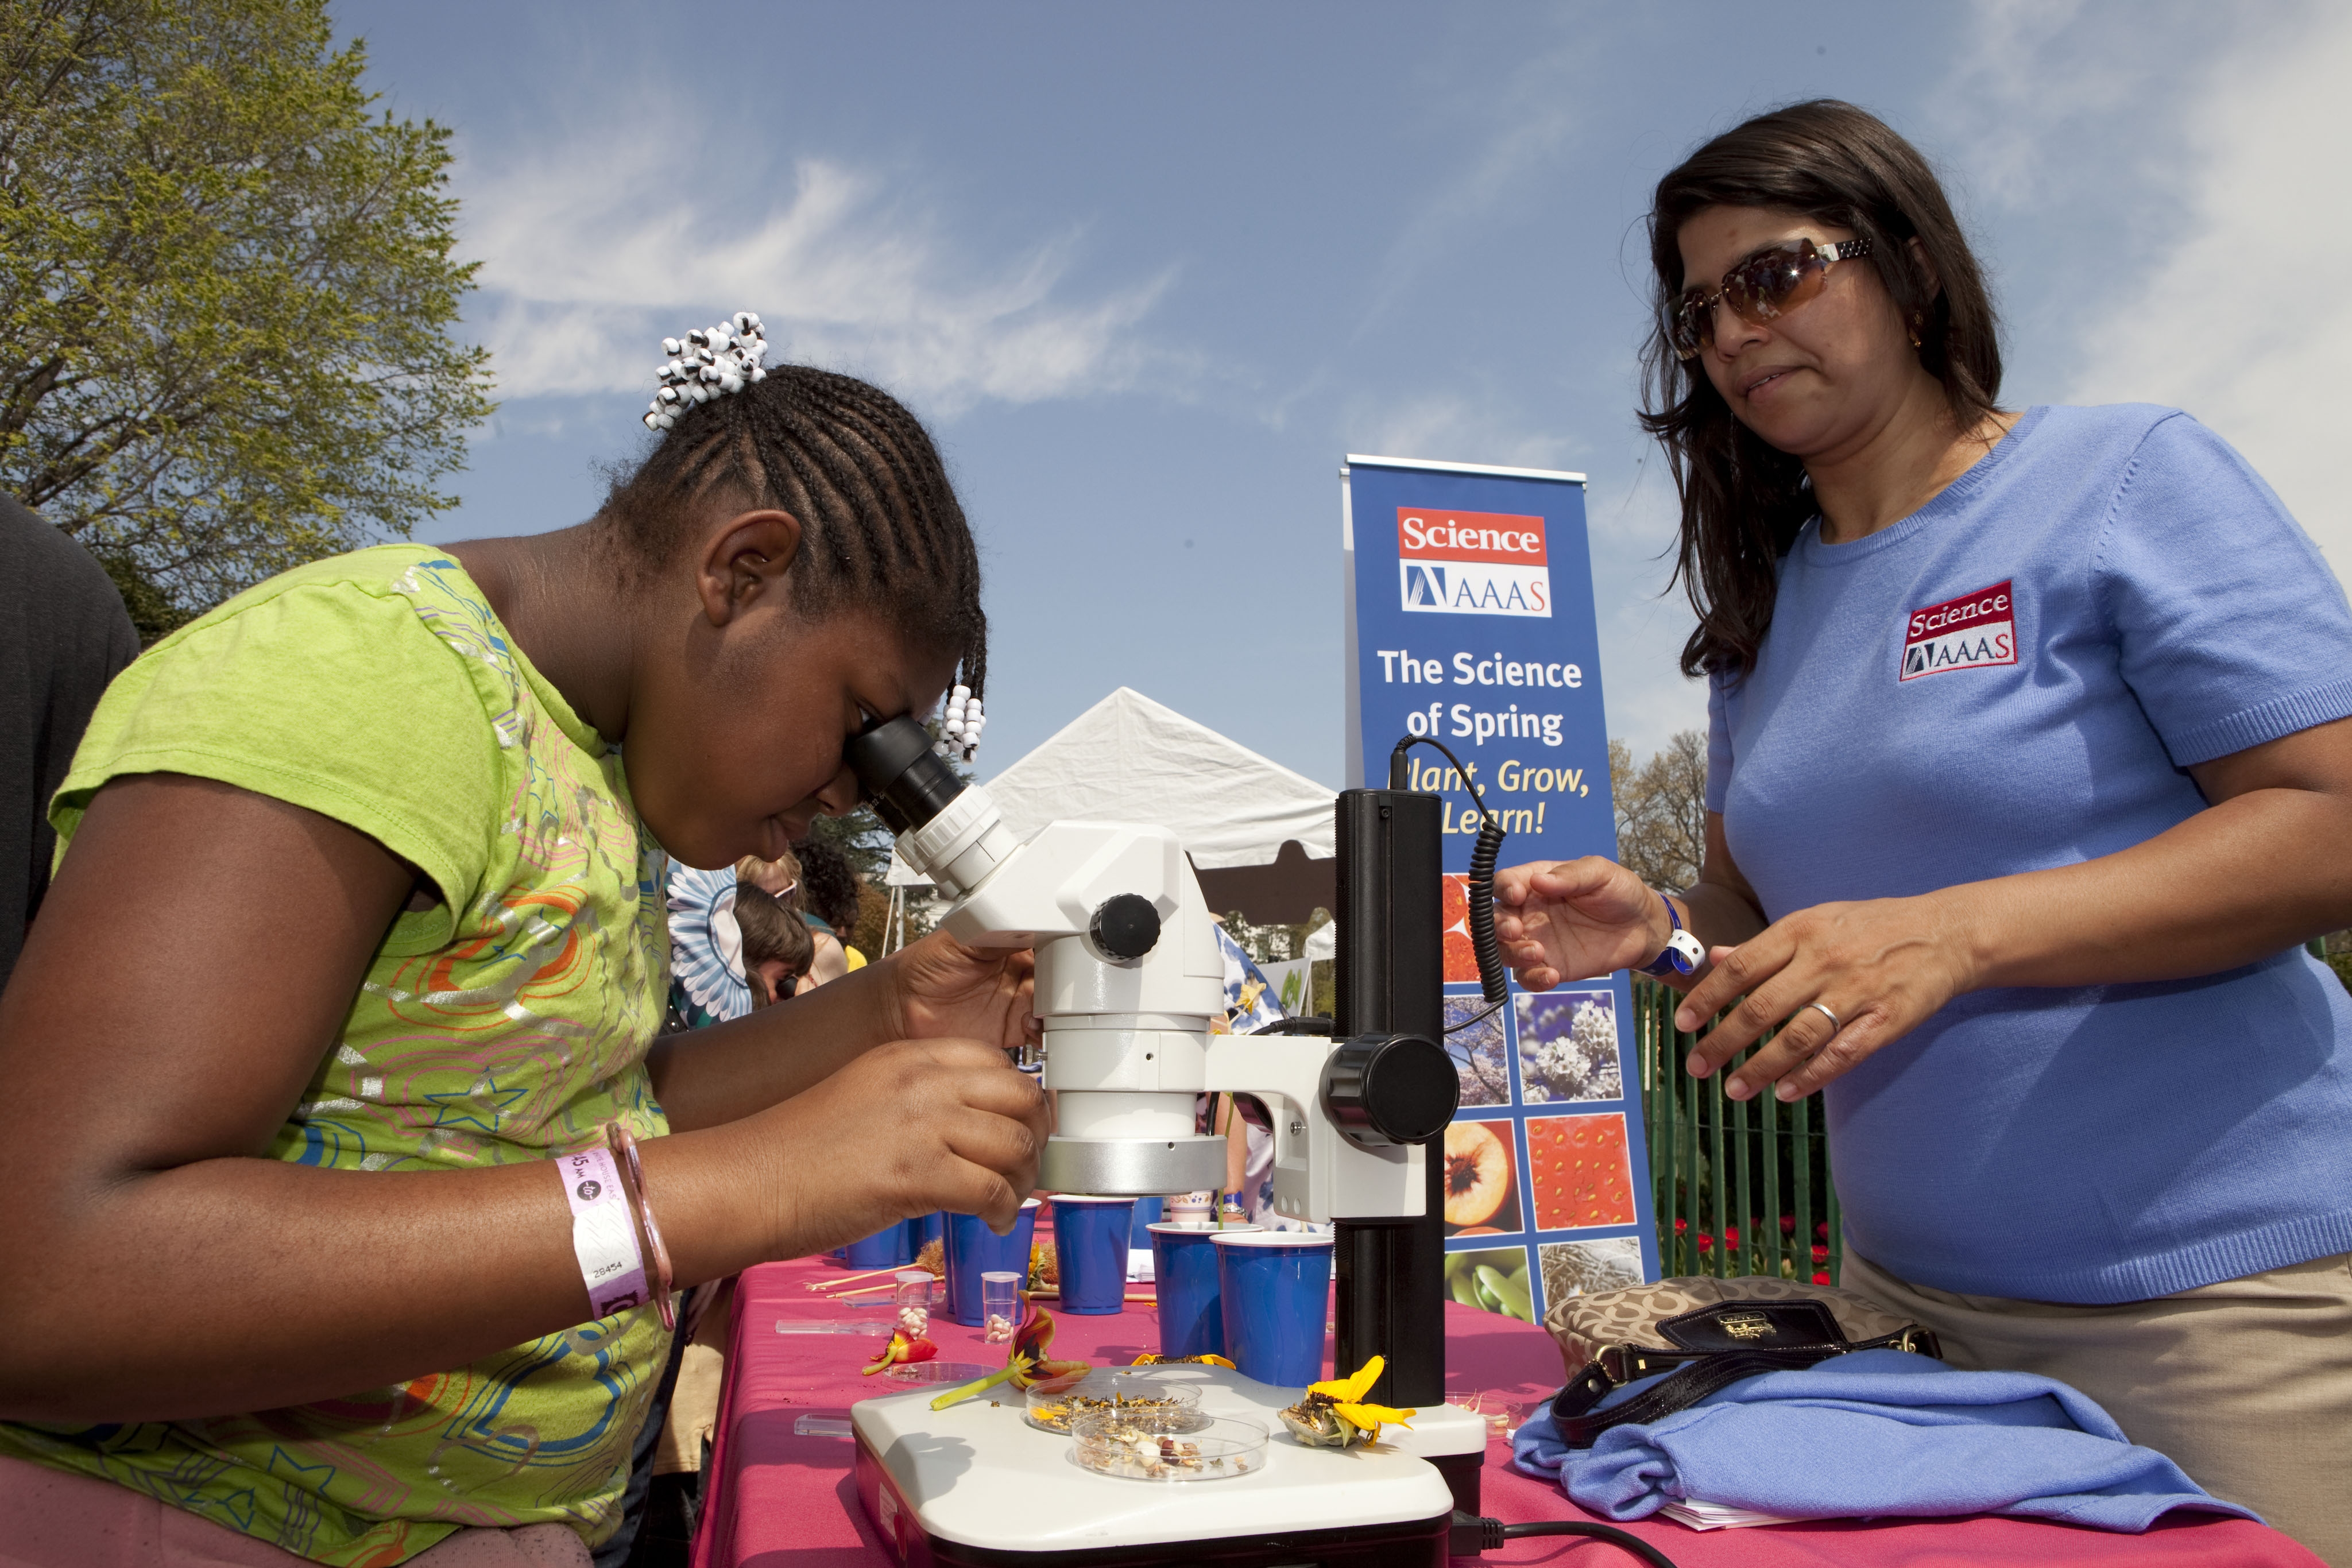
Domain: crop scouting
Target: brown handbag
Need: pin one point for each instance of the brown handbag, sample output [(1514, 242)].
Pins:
[(1705, 1335)]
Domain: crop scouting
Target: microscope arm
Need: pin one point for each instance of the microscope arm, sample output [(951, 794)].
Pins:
[(1319, 1174)]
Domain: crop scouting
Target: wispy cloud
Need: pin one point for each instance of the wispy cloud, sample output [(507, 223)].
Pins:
[(592, 249), (2239, 319), (1455, 426), (2182, 164), (1531, 121)]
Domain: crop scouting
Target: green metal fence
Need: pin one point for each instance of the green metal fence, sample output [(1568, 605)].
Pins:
[(1739, 1187)]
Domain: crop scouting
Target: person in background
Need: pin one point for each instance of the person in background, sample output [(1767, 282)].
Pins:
[(829, 896), (708, 980), (780, 878), (784, 879), (777, 946), (64, 634), (1242, 1119), (2031, 774)]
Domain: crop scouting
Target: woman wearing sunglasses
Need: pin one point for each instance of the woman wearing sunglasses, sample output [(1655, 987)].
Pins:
[(2028, 776)]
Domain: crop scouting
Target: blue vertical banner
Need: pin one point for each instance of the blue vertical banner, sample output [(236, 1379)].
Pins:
[(1470, 619)]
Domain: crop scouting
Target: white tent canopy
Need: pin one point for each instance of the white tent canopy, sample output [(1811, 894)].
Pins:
[(1128, 759)]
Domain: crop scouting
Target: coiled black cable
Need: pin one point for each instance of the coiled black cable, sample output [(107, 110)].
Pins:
[(1487, 947), (1623, 1539), (1471, 1536), (1483, 940)]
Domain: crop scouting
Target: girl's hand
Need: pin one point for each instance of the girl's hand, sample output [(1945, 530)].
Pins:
[(1881, 967), (905, 1128), (944, 990), (1568, 920)]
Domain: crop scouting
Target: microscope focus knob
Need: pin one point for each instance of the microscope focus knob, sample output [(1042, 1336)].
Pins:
[(1381, 1089), (1125, 927)]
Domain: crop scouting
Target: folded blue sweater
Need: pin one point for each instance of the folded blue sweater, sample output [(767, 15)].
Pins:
[(1879, 1432)]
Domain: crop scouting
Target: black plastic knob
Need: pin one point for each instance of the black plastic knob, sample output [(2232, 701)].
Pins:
[(1125, 927), (1381, 1089)]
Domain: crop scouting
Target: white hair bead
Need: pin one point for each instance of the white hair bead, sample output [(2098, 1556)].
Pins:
[(706, 363)]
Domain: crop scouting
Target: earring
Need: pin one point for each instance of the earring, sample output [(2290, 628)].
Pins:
[(1914, 330)]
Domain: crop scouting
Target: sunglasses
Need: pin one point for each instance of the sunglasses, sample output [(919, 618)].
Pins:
[(1770, 283)]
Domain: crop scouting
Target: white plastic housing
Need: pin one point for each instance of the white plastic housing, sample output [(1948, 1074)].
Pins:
[(1127, 1045)]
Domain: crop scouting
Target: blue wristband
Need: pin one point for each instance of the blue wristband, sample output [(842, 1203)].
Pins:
[(1682, 953)]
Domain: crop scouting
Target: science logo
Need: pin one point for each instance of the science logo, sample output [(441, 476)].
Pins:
[(1975, 632), (1472, 563)]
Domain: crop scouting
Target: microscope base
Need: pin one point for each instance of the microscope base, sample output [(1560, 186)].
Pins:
[(975, 1485)]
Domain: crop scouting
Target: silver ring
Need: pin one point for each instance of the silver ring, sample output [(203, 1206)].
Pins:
[(1834, 1025)]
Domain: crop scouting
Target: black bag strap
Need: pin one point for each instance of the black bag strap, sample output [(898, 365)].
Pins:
[(1699, 1375)]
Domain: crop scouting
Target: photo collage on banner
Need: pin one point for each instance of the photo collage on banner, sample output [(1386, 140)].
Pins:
[(1470, 619)]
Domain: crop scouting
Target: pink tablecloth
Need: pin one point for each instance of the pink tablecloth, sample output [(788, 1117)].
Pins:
[(780, 1499)]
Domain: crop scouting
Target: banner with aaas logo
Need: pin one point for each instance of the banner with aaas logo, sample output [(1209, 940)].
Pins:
[(1470, 618)]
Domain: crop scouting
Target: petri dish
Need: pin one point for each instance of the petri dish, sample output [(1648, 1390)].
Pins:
[(935, 1372), (1054, 1403), (1181, 1446)]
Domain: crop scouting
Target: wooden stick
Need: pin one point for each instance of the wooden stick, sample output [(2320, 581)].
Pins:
[(851, 1278)]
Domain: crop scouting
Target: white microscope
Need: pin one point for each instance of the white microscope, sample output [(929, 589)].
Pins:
[(1129, 977)]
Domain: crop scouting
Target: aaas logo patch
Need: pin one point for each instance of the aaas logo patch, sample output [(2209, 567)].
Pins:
[(1472, 563), (1974, 632)]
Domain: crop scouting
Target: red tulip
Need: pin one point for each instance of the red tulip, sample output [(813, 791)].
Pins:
[(899, 1350), (1024, 1363)]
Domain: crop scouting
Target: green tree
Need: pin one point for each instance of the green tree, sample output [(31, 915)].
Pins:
[(226, 293), (1660, 810)]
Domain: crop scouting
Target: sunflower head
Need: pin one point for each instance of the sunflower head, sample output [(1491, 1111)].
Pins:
[(1335, 1415)]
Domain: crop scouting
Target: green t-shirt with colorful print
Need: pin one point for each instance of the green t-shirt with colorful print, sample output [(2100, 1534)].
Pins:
[(508, 1023)]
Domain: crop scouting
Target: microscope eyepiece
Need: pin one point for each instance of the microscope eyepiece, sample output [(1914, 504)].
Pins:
[(907, 782)]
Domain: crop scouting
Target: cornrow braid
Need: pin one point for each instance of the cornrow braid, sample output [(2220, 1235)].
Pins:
[(880, 524)]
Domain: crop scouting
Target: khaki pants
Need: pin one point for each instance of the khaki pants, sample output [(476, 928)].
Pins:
[(2246, 1384)]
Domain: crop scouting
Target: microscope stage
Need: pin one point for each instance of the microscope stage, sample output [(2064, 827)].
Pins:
[(976, 1484)]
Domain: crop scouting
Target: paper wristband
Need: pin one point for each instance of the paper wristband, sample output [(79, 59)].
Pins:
[(603, 1233)]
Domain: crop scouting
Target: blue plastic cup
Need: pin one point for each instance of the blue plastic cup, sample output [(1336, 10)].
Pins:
[(924, 1229), (973, 1250), (1147, 1214), (1275, 1286), (1090, 1252), (886, 1248), (1184, 1276)]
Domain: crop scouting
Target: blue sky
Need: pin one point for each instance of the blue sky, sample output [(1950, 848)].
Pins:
[(1149, 271)]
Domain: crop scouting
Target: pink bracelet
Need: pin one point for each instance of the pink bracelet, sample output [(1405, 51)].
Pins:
[(604, 1235), (625, 1144)]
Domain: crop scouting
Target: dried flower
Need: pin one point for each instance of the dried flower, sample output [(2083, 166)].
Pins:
[(1025, 1364)]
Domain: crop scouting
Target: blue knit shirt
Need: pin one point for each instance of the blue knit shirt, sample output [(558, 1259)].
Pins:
[(2016, 677)]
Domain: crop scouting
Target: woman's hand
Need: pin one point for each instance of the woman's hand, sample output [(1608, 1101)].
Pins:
[(942, 990), (1568, 920), (1881, 968)]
